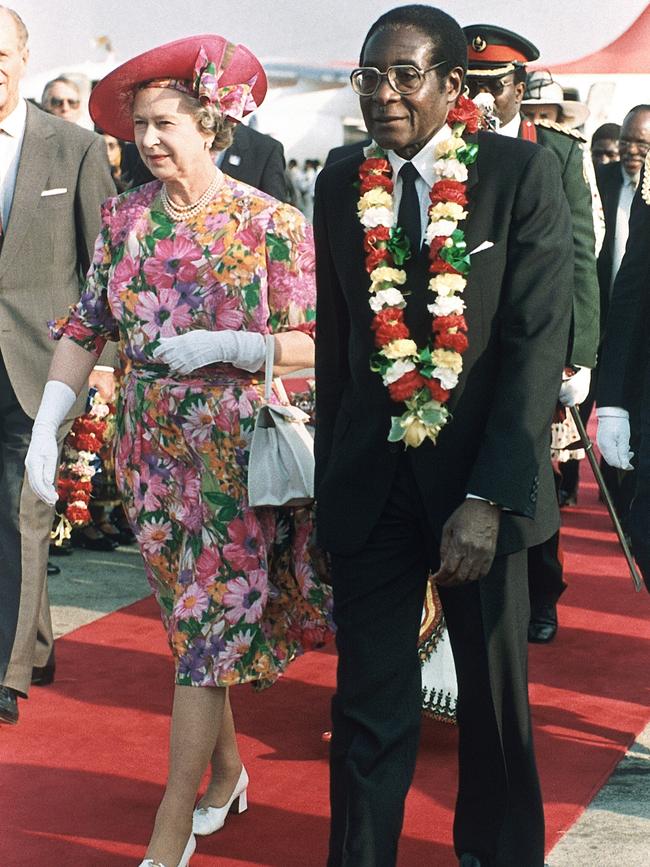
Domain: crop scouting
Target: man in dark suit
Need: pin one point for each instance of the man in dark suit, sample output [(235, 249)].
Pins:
[(465, 508), (253, 157), (497, 61), (617, 183), (54, 177), (624, 372)]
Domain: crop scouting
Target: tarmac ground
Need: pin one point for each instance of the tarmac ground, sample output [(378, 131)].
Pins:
[(614, 830)]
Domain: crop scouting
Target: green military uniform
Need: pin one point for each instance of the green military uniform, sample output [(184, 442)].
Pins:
[(585, 332)]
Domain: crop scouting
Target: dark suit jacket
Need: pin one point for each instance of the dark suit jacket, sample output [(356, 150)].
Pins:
[(624, 365), (258, 160), (518, 311), (610, 182)]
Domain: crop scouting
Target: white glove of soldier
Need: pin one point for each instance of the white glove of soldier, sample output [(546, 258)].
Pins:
[(613, 436), (574, 389), (43, 453), (185, 352)]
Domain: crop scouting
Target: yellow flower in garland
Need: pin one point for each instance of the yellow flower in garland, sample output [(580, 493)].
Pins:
[(447, 358), (389, 276), (400, 348), (447, 211), (447, 284), (448, 147), (376, 198)]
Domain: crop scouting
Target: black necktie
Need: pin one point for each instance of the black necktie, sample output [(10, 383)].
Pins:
[(408, 216)]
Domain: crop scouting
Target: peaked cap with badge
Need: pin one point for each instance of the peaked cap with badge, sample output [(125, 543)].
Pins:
[(495, 51)]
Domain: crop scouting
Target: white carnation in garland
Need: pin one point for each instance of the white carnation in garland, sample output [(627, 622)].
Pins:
[(396, 370), (446, 377), (440, 228), (391, 297), (373, 217), (449, 305), (452, 169)]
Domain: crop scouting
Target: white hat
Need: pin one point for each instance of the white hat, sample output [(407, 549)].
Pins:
[(549, 92)]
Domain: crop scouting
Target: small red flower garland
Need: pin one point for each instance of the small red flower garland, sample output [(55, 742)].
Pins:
[(421, 378)]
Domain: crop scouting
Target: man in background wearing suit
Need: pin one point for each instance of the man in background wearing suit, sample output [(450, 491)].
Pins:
[(53, 178), (624, 372), (617, 184), (466, 507)]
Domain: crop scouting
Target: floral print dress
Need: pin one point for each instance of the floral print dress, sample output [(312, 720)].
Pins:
[(238, 590)]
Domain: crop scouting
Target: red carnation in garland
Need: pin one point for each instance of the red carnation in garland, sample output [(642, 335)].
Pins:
[(373, 181), (375, 258), (379, 165), (437, 391), (404, 387), (448, 191), (440, 266), (375, 236), (444, 323), (465, 111), (458, 342), (389, 325), (436, 245)]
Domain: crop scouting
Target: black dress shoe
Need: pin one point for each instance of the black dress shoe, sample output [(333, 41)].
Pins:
[(468, 861), (542, 627), (63, 550), (52, 569), (43, 675), (8, 705)]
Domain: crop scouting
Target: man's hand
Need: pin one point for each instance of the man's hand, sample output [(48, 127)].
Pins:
[(469, 540)]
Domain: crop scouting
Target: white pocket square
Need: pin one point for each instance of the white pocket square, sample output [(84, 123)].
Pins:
[(484, 246), (57, 191)]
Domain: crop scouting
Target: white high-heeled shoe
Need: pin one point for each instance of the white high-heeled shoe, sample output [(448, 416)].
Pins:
[(207, 820), (185, 857)]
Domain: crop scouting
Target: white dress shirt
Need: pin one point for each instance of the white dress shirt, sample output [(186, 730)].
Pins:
[(511, 129), (622, 221), (423, 161), (12, 132)]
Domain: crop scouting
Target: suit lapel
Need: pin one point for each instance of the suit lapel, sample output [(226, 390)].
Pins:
[(36, 157)]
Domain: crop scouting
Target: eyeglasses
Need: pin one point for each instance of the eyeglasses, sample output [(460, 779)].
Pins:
[(642, 146), (403, 78), (57, 102), (495, 86)]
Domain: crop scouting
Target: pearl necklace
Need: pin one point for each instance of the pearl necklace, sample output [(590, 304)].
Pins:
[(177, 213)]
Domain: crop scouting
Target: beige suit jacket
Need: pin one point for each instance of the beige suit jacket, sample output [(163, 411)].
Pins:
[(48, 243)]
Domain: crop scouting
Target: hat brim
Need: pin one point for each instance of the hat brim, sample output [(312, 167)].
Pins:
[(574, 113), (110, 107)]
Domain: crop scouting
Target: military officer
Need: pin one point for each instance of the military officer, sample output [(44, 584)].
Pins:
[(497, 65)]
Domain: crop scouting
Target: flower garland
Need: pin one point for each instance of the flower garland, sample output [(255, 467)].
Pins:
[(421, 378), (83, 448)]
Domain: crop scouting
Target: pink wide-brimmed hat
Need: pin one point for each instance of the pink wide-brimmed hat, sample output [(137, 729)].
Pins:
[(208, 67)]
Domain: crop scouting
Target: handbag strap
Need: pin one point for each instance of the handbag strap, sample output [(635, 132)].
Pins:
[(268, 368)]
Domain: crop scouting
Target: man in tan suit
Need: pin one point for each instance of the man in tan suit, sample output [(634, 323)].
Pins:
[(53, 178)]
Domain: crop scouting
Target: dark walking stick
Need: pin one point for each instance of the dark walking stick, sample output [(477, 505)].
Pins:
[(589, 449)]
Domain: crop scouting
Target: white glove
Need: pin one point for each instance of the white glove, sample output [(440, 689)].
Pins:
[(43, 453), (574, 389), (185, 352), (613, 436)]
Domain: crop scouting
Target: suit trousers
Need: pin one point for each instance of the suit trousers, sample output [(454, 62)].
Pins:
[(25, 522), (376, 711), (639, 523)]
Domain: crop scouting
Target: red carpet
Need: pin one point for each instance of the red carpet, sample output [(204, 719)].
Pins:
[(82, 773)]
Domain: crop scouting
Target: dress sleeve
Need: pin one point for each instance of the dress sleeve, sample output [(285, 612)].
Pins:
[(89, 322), (290, 267)]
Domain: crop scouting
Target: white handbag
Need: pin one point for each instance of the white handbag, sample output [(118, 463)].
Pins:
[(281, 459)]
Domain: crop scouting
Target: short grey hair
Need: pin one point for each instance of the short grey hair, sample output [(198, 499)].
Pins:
[(21, 30), (210, 119), (63, 79)]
